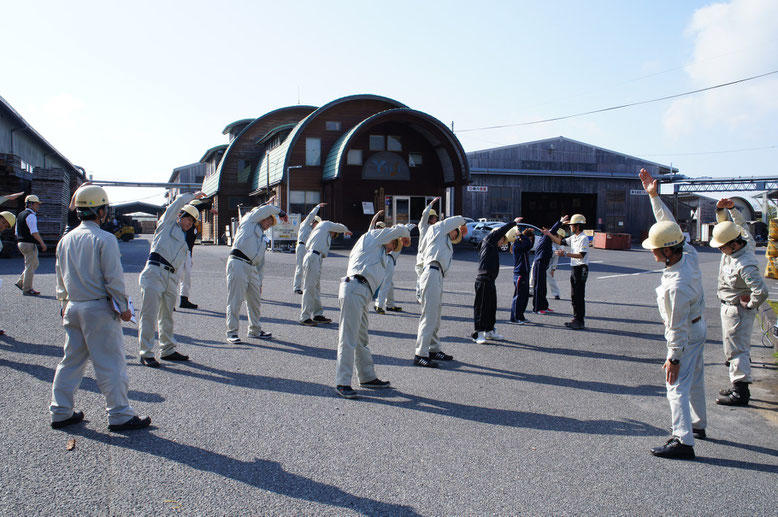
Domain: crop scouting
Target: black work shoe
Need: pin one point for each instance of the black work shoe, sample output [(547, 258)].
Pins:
[(557, 298), (441, 356), (375, 384), (308, 323), (379, 310), (426, 362), (726, 391), (186, 304), (321, 319), (175, 356), (75, 418), (394, 309), (133, 423), (699, 433), (149, 361), (262, 335), (346, 392), (575, 325), (735, 398), (674, 449), (298, 291)]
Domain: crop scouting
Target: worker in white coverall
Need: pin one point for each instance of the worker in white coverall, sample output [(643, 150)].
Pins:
[(244, 270), (428, 218), (7, 221), (384, 298), (553, 287), (90, 287), (317, 247), (741, 290), (366, 268), (306, 227), (681, 304), (159, 280), (437, 244)]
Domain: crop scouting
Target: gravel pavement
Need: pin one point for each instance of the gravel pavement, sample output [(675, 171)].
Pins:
[(548, 422)]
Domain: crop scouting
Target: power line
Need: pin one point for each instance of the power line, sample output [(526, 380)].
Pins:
[(612, 108)]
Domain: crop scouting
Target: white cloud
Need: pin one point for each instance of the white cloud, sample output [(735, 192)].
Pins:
[(731, 41)]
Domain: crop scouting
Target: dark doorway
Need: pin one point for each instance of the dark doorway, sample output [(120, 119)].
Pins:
[(545, 208)]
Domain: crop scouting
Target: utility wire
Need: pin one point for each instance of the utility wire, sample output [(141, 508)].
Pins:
[(612, 108)]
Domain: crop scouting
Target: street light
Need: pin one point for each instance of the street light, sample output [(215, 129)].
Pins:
[(287, 184)]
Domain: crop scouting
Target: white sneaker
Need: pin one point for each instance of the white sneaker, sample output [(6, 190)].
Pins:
[(493, 334), (234, 340), (480, 338)]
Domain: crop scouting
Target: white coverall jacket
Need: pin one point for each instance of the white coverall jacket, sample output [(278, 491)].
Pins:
[(244, 279), (681, 304), (299, 252), (317, 247), (89, 275), (423, 227), (367, 260), (159, 286), (738, 275), (435, 261)]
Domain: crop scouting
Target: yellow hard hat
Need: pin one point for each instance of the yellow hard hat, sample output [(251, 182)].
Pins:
[(663, 234), (8, 216), (433, 213), (192, 211), (512, 234), (560, 232), (32, 198), (577, 219), (723, 233), (400, 242), (91, 196), (380, 224), (461, 232), (316, 219)]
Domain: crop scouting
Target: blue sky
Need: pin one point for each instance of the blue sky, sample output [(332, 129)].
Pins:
[(134, 90)]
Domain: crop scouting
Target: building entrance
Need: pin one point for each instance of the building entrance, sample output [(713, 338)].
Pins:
[(545, 208)]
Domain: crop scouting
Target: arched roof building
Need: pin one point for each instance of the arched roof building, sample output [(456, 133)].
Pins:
[(355, 153)]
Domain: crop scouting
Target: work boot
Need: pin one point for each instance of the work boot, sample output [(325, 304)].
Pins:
[(674, 449), (738, 396), (186, 304)]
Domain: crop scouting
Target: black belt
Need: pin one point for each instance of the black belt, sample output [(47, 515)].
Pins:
[(729, 303), (240, 255), (358, 278), (300, 242), (434, 267), (695, 320), (316, 253), (155, 259)]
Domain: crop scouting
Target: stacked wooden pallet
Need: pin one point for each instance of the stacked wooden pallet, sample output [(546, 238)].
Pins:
[(771, 271)]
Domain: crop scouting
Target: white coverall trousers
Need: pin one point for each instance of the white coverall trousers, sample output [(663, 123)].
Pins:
[(354, 298), (737, 323), (431, 284), (186, 275), (687, 395), (299, 255), (92, 331), (158, 289), (553, 287), (385, 297), (244, 282), (311, 303)]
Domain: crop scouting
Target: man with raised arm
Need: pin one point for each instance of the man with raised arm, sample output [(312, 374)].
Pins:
[(366, 269), (681, 304), (244, 270), (427, 219), (438, 251), (741, 290), (306, 227), (159, 280), (317, 247)]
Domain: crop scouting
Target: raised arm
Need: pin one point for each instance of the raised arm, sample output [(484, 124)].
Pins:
[(171, 213), (651, 186), (386, 235), (452, 223), (425, 216), (375, 219), (311, 215), (259, 213)]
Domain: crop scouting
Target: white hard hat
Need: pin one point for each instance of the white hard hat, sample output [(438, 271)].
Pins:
[(723, 233), (560, 232), (91, 196), (433, 213), (32, 198), (512, 234), (664, 234), (380, 224), (316, 220), (192, 211), (8, 216), (577, 219)]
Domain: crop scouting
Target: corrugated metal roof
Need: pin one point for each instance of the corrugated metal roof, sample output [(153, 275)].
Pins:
[(277, 159), (237, 123), (212, 150)]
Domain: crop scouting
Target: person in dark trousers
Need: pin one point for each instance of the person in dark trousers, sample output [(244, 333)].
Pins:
[(579, 267), (521, 267), (485, 305), (542, 259)]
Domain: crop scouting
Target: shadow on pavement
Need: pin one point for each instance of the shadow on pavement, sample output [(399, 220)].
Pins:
[(263, 474)]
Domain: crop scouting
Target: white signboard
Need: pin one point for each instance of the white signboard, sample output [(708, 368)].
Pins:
[(477, 188), (287, 231), (367, 208), (638, 193)]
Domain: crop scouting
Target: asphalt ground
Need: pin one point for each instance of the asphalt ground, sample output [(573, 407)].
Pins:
[(548, 422)]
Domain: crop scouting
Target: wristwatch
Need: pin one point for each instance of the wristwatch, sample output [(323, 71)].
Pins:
[(674, 361)]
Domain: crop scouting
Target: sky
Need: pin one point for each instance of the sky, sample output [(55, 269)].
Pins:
[(129, 91)]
